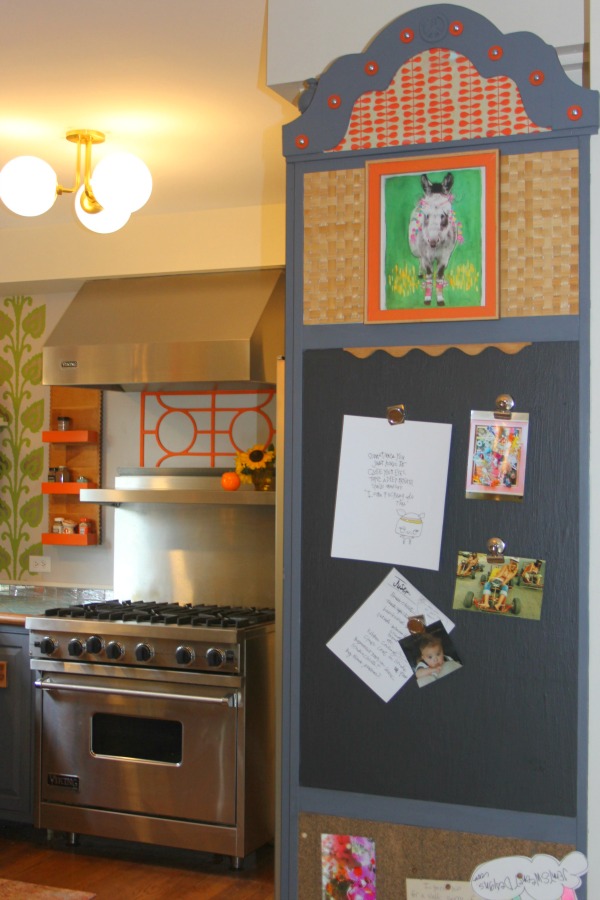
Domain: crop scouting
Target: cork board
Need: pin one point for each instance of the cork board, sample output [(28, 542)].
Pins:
[(404, 851), (539, 239)]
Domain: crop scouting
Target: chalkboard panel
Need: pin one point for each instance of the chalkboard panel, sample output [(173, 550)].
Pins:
[(501, 732)]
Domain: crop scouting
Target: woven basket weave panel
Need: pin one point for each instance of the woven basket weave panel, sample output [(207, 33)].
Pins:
[(538, 232), (334, 246)]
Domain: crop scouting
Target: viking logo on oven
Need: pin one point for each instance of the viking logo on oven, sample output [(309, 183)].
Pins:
[(64, 781)]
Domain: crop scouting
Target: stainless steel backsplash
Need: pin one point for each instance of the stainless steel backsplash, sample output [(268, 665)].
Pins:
[(195, 552)]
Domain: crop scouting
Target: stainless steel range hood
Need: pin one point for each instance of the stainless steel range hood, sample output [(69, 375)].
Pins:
[(183, 332)]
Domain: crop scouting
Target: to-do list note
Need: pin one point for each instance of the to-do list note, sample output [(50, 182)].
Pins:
[(368, 643), (391, 491)]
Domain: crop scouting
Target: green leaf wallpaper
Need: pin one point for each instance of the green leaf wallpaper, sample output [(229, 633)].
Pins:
[(22, 408)]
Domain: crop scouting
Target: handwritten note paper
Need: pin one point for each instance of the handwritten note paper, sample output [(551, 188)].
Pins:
[(391, 492), (368, 642), (427, 889), (540, 877)]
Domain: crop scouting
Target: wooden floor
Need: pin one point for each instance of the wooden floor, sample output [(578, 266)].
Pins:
[(119, 870)]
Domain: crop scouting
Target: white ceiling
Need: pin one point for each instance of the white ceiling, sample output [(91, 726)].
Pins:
[(181, 83)]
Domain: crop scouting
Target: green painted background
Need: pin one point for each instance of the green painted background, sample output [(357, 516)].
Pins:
[(403, 287)]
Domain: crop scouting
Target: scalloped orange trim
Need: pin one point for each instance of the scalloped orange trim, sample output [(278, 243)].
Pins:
[(436, 349)]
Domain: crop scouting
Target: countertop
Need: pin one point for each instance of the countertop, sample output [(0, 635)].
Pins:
[(19, 601)]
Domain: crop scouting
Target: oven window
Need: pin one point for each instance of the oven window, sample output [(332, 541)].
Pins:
[(131, 737)]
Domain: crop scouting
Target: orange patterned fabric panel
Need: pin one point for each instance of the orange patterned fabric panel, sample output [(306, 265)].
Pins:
[(437, 96)]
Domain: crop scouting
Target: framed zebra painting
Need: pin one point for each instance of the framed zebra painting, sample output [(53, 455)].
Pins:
[(431, 231)]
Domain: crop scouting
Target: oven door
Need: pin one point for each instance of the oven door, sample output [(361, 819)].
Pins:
[(146, 747)]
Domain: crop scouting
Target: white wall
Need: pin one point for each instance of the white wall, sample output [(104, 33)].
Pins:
[(201, 241), (304, 38)]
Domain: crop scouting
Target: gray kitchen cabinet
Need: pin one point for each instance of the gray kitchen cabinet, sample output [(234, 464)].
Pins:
[(16, 726)]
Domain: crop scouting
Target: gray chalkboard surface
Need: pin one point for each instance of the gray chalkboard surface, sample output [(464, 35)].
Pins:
[(501, 732)]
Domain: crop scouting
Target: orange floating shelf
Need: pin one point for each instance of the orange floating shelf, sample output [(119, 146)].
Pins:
[(65, 487), (76, 450), (70, 540), (70, 437)]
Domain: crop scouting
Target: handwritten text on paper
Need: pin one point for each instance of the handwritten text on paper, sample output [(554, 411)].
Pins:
[(368, 642)]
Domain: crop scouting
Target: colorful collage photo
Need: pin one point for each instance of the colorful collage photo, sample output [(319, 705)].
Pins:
[(347, 867), (497, 456)]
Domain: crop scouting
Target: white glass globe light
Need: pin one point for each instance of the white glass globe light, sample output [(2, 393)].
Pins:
[(104, 222), (28, 186), (122, 180)]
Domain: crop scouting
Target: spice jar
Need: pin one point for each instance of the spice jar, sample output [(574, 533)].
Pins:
[(64, 423), (68, 526), (63, 474), (57, 525), (85, 526), (52, 473)]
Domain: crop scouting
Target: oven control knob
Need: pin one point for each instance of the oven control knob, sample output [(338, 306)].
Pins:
[(184, 655), (114, 650), (93, 644), (75, 647), (48, 646), (143, 653), (215, 658)]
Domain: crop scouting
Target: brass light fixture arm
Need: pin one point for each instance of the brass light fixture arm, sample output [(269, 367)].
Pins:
[(83, 137)]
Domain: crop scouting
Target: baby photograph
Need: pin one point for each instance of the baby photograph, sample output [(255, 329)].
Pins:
[(431, 654)]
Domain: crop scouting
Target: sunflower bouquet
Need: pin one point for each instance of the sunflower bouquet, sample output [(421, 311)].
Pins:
[(258, 460)]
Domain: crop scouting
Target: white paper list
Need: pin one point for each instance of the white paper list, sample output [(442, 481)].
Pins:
[(368, 642), (391, 492)]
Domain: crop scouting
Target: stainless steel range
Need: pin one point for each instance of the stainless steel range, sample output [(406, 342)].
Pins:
[(156, 723)]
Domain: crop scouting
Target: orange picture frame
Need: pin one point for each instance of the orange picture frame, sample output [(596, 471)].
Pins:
[(432, 238)]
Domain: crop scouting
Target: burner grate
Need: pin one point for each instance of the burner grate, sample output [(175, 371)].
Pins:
[(154, 613)]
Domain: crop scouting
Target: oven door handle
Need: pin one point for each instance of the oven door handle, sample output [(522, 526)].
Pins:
[(230, 700)]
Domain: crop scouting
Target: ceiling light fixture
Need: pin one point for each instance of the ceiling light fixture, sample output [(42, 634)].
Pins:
[(120, 184)]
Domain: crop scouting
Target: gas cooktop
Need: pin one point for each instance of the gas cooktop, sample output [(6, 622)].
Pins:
[(159, 635), (195, 615)]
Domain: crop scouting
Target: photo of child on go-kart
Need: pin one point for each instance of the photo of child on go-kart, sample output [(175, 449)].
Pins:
[(514, 586)]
